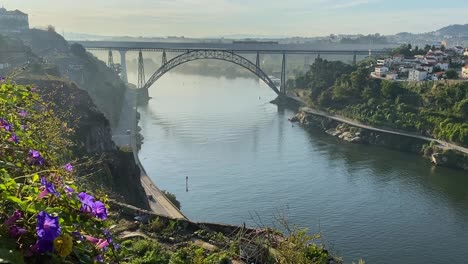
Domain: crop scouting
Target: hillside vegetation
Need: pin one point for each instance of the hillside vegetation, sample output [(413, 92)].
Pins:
[(434, 108)]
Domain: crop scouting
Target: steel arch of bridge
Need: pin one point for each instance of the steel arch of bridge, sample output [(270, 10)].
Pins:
[(214, 55)]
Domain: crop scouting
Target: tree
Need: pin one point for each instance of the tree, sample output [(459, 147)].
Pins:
[(51, 29), (451, 74), (391, 89), (462, 108), (78, 50)]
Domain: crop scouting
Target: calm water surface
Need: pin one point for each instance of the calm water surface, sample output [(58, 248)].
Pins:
[(244, 158)]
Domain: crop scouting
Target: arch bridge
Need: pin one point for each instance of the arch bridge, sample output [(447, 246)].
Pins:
[(223, 55), (225, 52)]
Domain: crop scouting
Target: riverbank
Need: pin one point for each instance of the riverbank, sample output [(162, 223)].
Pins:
[(128, 121), (439, 152)]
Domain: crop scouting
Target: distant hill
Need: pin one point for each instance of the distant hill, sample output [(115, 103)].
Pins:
[(454, 30)]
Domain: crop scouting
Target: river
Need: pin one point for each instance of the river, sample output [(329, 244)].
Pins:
[(246, 163)]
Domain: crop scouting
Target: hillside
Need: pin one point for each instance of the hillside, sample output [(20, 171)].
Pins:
[(453, 30)]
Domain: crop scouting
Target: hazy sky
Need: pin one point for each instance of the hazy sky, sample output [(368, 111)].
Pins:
[(201, 18)]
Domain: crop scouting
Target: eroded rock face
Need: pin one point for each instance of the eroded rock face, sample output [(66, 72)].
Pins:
[(439, 159), (117, 169)]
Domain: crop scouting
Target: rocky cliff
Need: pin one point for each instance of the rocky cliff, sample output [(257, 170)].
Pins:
[(116, 170), (436, 154)]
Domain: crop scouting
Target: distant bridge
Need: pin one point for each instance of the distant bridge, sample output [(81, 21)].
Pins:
[(230, 52)]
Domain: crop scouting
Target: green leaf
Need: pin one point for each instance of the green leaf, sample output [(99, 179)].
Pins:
[(10, 256), (35, 178)]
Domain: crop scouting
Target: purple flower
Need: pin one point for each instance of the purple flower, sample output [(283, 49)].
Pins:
[(35, 157), (5, 124), (77, 235), (13, 218), (22, 113), (2, 79), (68, 167), (99, 210), (99, 258), (89, 205), (47, 187), (47, 227), (43, 246), (68, 190), (14, 138), (87, 202), (16, 231), (116, 246), (98, 242)]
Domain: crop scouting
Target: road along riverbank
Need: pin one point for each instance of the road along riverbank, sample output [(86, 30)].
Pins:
[(125, 136)]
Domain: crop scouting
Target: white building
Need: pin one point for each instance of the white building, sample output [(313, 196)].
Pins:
[(4, 66), (13, 21), (465, 53), (381, 71), (384, 62), (464, 73), (398, 58), (417, 75), (391, 76), (443, 66), (426, 67), (458, 49)]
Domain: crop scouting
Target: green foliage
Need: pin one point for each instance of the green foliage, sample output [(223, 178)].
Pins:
[(78, 50), (322, 75), (172, 198), (26, 117), (451, 74), (299, 249), (408, 51), (143, 252), (439, 109), (375, 38), (151, 252)]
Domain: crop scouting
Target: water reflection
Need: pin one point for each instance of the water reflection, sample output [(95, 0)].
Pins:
[(242, 156)]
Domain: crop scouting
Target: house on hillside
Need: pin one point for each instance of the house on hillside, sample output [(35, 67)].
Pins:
[(397, 58), (417, 75), (387, 62), (13, 22), (458, 49), (381, 71), (464, 73)]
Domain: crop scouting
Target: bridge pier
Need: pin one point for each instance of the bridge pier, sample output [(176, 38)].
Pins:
[(283, 75), (110, 60), (306, 63), (141, 71), (123, 65), (257, 61), (164, 57), (354, 58)]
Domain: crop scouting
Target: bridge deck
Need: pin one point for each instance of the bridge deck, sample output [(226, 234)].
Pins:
[(236, 47)]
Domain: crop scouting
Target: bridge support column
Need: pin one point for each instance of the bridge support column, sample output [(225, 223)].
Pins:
[(123, 65), (283, 75), (257, 61), (354, 58), (141, 71), (306, 63), (110, 60), (164, 57)]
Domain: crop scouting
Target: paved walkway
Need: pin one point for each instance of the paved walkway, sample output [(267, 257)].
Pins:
[(355, 123), (128, 121)]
